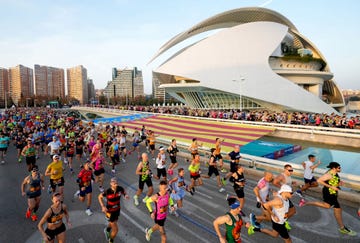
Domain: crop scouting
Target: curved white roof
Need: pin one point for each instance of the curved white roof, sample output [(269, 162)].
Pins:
[(242, 51), (217, 68), (227, 19)]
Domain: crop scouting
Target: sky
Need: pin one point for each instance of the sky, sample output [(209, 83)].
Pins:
[(102, 34)]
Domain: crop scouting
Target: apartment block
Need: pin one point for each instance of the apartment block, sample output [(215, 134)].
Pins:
[(77, 83), (49, 81), (4, 85), (125, 83), (91, 89), (21, 83)]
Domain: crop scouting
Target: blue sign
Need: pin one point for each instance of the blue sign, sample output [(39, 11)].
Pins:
[(121, 118)]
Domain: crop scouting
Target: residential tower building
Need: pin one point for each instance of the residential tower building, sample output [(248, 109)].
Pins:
[(77, 83), (21, 83), (49, 81)]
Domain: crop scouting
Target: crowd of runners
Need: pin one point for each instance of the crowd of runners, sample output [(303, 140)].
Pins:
[(69, 142)]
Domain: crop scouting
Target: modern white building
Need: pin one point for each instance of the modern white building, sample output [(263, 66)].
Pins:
[(256, 60)]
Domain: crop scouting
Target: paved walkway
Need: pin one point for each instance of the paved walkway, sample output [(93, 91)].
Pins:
[(194, 224)]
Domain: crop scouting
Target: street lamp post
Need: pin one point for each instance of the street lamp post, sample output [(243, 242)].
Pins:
[(241, 80)]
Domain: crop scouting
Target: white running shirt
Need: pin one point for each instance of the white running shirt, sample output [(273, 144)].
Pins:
[(308, 173), (280, 212)]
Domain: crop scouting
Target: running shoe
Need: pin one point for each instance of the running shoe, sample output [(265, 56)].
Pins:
[(136, 200), (176, 214), (107, 234), (299, 193), (147, 234), (251, 230), (2, 162), (302, 202), (50, 189), (34, 217), (88, 212), (347, 231), (223, 170), (28, 214), (101, 189), (77, 194), (258, 204), (19, 160), (144, 199), (222, 189), (253, 221), (113, 171), (123, 160), (242, 213), (287, 225), (191, 192), (223, 181)]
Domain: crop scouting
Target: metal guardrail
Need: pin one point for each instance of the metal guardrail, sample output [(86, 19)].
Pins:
[(355, 133), (350, 181)]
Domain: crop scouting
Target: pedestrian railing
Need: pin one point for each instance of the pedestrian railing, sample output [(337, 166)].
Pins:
[(351, 181)]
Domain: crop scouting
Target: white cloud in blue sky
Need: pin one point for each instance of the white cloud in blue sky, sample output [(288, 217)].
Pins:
[(121, 33)]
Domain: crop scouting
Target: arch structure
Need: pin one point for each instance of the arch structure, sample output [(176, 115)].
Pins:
[(257, 59)]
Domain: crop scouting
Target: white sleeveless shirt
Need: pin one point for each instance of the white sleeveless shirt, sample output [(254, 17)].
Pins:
[(280, 212)]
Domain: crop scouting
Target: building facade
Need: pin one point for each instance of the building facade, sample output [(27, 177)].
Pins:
[(4, 86), (21, 83), (91, 89), (77, 83), (49, 81), (257, 59), (125, 83)]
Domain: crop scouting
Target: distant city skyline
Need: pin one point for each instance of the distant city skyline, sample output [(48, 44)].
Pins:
[(123, 33)]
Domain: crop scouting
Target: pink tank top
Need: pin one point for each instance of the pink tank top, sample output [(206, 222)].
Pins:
[(98, 164), (162, 206)]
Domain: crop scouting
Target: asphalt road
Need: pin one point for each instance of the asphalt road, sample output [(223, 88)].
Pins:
[(194, 224)]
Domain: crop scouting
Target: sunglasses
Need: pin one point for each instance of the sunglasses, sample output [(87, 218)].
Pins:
[(290, 170)]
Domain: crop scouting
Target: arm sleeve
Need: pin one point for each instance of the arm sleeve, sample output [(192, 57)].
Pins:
[(171, 201), (148, 204)]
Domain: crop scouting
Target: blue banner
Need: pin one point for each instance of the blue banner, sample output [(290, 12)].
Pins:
[(121, 118)]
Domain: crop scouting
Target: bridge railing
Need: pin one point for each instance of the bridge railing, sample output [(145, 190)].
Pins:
[(351, 181)]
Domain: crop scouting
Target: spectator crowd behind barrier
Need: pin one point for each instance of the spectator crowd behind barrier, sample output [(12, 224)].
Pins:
[(296, 118)]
